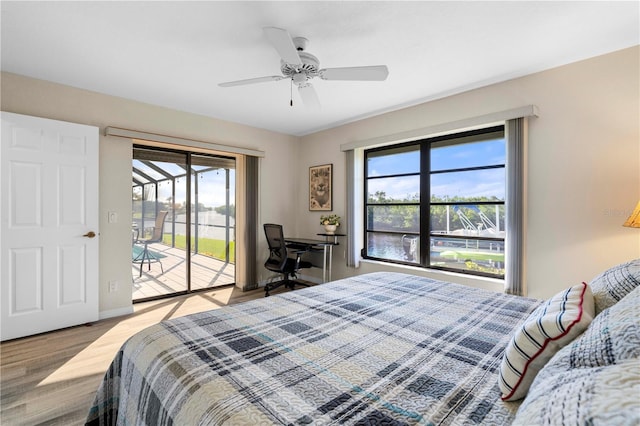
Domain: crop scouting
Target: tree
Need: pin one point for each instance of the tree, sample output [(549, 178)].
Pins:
[(224, 210)]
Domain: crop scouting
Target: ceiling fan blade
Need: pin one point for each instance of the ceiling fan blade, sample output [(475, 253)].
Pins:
[(251, 81), (283, 43), (370, 73), (309, 96)]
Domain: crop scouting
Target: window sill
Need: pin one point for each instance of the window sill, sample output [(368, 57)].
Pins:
[(492, 284)]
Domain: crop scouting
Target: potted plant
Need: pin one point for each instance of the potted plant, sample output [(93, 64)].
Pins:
[(330, 222)]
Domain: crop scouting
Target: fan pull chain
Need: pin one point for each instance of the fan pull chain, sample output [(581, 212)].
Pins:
[(291, 92)]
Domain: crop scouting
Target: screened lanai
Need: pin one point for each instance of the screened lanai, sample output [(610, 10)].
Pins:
[(196, 247)]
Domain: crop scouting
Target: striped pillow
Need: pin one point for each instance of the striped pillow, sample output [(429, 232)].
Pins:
[(550, 327)]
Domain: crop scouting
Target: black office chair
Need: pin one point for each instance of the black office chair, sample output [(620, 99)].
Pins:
[(279, 260)]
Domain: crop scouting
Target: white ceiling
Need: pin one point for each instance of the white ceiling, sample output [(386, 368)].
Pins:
[(174, 54)]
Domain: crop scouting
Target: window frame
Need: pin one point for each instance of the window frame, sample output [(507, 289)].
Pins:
[(425, 233)]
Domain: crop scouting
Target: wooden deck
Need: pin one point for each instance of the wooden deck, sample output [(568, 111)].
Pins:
[(206, 272)]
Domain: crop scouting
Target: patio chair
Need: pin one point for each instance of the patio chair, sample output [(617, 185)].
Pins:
[(156, 237)]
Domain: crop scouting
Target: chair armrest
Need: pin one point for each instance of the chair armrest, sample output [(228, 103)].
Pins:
[(299, 247), (299, 254)]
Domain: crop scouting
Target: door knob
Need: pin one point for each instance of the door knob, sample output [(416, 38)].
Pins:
[(90, 234)]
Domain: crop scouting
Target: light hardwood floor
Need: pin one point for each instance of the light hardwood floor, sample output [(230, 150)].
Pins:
[(51, 378)]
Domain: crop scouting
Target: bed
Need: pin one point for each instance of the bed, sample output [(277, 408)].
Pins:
[(375, 349)]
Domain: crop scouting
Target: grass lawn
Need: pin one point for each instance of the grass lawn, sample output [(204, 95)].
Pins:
[(206, 246)]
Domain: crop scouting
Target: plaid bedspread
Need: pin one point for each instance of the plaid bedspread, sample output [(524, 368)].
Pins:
[(375, 349)]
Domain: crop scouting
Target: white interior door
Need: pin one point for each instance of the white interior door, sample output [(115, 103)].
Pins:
[(48, 225)]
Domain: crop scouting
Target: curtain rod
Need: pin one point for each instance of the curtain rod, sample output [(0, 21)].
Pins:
[(134, 134), (465, 123)]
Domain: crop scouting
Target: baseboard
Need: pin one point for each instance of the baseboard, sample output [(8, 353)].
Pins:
[(111, 313)]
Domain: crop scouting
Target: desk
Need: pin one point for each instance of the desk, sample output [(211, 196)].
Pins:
[(334, 236), (325, 245)]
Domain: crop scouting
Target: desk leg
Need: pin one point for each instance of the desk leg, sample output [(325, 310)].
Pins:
[(324, 264), (330, 260), (327, 263)]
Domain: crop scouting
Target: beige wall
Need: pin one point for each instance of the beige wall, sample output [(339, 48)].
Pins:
[(23, 95), (583, 165)]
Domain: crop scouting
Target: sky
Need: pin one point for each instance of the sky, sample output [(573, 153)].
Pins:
[(211, 185), (488, 183)]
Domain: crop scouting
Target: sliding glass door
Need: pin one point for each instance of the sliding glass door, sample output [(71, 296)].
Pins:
[(197, 247), (212, 223)]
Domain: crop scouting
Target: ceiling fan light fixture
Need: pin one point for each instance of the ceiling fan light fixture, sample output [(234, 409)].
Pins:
[(299, 78)]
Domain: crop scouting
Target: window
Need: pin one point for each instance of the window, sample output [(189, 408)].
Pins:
[(439, 202)]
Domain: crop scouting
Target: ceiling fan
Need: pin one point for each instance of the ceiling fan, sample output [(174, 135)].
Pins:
[(300, 67)]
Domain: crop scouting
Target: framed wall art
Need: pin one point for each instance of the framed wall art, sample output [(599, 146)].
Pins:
[(320, 188)]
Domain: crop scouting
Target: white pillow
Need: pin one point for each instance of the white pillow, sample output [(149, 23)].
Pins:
[(550, 327), (613, 336), (605, 395), (615, 283)]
